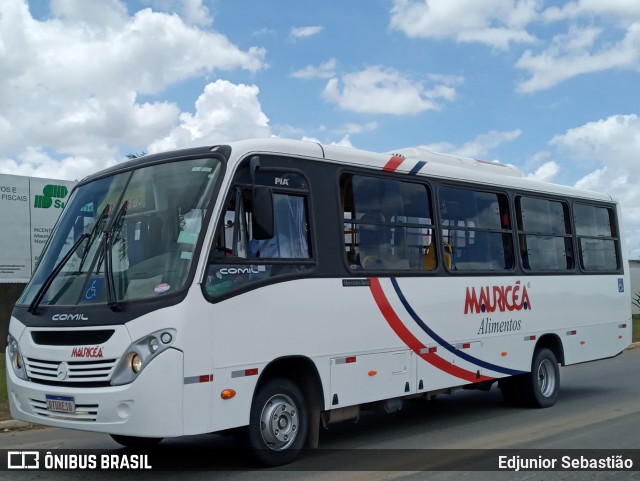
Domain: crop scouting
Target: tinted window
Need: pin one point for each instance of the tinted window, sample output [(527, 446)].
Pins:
[(476, 229), (544, 234), (597, 238), (387, 224), (241, 257)]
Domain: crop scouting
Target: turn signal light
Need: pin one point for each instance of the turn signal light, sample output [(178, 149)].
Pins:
[(227, 394)]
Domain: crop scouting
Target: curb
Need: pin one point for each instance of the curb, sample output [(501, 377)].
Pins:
[(14, 424)]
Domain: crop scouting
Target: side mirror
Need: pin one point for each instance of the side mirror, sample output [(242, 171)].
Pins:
[(262, 220)]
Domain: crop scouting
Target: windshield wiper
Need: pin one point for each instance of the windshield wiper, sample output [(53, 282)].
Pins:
[(112, 300), (91, 236), (54, 273)]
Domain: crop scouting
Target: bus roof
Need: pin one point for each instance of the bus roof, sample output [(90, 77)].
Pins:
[(414, 161), (411, 161)]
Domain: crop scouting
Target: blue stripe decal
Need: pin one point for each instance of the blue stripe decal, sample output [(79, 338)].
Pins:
[(417, 167), (445, 344)]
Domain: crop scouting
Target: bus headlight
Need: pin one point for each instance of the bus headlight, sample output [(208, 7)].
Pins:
[(16, 359), (136, 363), (140, 353)]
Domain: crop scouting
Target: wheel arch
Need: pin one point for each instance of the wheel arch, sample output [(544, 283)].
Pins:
[(300, 370), (554, 344)]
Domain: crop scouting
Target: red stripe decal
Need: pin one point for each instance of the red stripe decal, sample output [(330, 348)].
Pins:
[(412, 342), (393, 163)]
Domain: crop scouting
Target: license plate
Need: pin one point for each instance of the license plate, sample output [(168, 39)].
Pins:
[(61, 404)]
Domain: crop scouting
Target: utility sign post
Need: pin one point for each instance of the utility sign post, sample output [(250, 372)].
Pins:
[(29, 208)]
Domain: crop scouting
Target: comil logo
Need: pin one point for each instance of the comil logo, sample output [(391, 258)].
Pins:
[(69, 317), (497, 298), (51, 192)]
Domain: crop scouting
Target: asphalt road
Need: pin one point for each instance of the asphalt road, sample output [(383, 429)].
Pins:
[(598, 408)]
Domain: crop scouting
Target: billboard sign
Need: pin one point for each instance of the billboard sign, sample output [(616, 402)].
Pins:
[(30, 207)]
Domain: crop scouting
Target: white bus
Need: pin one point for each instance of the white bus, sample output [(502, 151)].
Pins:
[(271, 287)]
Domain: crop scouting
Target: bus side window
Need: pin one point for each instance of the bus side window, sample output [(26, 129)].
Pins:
[(290, 234), (476, 228), (598, 247), (238, 259), (544, 234), (387, 224)]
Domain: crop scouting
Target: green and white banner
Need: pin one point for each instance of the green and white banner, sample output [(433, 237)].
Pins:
[(29, 208)]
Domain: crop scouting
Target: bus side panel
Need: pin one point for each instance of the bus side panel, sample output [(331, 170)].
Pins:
[(317, 319), (512, 351), (370, 377), (587, 343), (435, 366), (326, 320)]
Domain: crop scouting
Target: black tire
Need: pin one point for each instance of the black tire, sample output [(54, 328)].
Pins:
[(542, 384), (135, 442), (278, 422)]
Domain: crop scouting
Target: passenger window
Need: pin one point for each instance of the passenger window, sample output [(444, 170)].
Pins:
[(387, 224), (476, 228), (597, 238), (544, 234), (290, 231), (241, 257)]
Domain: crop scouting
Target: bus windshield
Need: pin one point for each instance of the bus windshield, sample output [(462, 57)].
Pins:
[(125, 237)]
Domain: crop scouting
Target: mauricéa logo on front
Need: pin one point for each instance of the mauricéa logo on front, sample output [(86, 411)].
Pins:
[(51, 192)]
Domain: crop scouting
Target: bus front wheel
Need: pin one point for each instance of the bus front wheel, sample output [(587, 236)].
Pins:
[(278, 422), (543, 383)]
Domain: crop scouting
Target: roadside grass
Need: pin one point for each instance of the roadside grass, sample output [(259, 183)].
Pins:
[(4, 402)]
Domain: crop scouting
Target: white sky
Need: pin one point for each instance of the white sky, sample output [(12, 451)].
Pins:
[(550, 87)]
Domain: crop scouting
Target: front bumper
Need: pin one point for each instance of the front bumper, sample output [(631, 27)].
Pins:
[(150, 406)]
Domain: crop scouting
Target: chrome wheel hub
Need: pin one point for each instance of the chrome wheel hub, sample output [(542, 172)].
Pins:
[(279, 422), (546, 378)]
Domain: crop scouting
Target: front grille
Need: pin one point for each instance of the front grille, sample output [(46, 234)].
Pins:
[(71, 338), (78, 372), (83, 412)]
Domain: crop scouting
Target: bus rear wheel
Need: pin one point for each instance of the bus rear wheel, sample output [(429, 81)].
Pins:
[(542, 384), (278, 422)]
